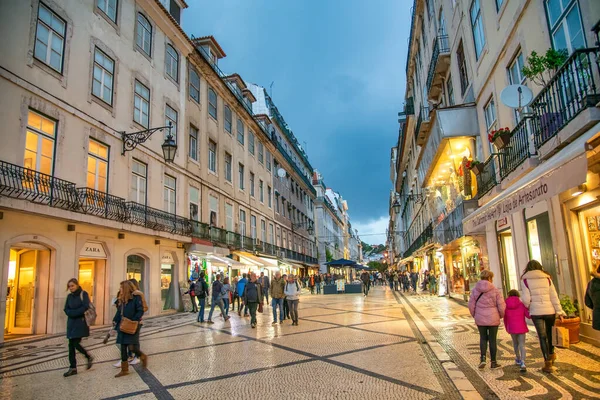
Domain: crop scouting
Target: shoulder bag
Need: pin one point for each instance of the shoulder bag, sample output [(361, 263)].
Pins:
[(128, 326), (90, 313)]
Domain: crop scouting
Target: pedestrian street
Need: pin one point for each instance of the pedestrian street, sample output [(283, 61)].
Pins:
[(384, 346)]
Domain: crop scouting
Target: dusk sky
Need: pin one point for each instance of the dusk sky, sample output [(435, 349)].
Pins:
[(338, 76)]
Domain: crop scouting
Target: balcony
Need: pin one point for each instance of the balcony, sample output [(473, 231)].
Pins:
[(571, 90), (409, 108), (422, 240), (422, 126), (102, 204), (451, 227), (152, 218), (487, 179), (439, 65), (519, 149)]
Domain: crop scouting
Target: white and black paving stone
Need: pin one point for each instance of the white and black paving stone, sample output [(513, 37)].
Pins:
[(385, 346)]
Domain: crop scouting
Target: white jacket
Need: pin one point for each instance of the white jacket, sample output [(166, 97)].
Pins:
[(292, 290), (539, 295)]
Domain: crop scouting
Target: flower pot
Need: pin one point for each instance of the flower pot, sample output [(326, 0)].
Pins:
[(477, 168), (502, 141), (572, 324)]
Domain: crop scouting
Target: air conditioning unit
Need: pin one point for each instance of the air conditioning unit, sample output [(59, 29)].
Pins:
[(257, 242)]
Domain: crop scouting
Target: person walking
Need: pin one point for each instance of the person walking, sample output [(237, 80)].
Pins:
[(539, 295), (486, 305), (277, 285), (364, 277), (265, 284), (592, 298), (311, 284), (225, 292), (286, 309), (395, 279), (192, 292), (201, 292), (252, 297), (241, 285), (77, 303), (516, 326), (129, 314), (432, 284), (292, 293), (216, 299), (235, 294), (413, 281), (318, 280)]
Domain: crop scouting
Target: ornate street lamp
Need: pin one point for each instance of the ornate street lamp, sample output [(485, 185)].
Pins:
[(131, 140), (396, 207)]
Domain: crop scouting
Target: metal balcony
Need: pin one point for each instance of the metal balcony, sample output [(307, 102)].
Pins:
[(487, 179), (152, 218), (518, 150), (423, 239), (102, 204), (440, 62), (422, 126)]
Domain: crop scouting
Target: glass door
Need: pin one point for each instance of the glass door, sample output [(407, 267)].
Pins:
[(510, 277), (24, 298), (86, 277)]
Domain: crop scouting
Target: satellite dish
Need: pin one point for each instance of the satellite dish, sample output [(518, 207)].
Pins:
[(281, 173), (516, 96)]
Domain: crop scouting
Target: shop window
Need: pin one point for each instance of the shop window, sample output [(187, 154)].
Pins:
[(39, 143), (167, 292), (135, 269)]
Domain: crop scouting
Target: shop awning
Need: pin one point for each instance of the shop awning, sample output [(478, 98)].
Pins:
[(224, 261), (565, 170), (264, 262)]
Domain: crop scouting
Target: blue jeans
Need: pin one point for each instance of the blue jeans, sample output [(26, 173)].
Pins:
[(226, 306), (215, 303), (277, 303), (202, 302), (318, 285)]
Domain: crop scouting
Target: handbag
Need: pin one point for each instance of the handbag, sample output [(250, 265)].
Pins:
[(89, 314), (128, 326)]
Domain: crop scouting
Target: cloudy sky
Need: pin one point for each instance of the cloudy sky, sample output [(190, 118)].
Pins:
[(337, 68)]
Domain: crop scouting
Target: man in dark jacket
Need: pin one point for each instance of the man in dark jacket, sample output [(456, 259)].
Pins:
[(592, 298), (201, 290), (253, 296), (241, 285), (217, 300), (364, 277), (264, 283)]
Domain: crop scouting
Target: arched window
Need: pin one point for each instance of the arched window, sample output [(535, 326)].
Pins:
[(172, 63), (135, 269), (144, 34)]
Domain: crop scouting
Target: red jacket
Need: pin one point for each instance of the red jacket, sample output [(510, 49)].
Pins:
[(514, 316)]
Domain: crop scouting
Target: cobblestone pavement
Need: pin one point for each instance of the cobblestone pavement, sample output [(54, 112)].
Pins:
[(385, 346)]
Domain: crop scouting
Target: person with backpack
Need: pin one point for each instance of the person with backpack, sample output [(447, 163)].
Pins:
[(277, 295), (217, 299), (292, 293), (192, 292), (487, 306), (201, 292), (241, 285), (539, 295), (516, 325), (235, 295), (592, 298), (253, 297), (76, 305)]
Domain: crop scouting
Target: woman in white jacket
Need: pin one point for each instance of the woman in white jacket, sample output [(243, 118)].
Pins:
[(292, 292), (539, 295)]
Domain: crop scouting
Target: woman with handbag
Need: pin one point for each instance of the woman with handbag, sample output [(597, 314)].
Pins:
[(127, 322), (192, 292), (78, 302)]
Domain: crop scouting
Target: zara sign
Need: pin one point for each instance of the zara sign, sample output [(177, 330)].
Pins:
[(92, 250)]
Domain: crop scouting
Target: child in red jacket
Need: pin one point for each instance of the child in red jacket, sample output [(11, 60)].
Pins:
[(515, 324)]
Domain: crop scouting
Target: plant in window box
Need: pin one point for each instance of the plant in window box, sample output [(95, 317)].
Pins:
[(475, 166), (572, 320), (500, 137)]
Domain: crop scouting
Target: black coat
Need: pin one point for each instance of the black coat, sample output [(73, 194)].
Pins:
[(134, 310), (592, 300), (75, 309)]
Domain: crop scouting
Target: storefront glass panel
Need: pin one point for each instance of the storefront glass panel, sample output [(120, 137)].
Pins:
[(135, 269), (510, 277), (589, 221)]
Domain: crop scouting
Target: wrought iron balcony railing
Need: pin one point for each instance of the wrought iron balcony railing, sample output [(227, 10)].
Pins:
[(571, 90), (27, 184), (102, 204), (518, 150), (440, 46), (486, 180), (140, 214), (421, 240)]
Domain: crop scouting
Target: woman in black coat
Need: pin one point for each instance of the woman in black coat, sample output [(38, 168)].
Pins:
[(129, 306), (592, 298), (78, 301)]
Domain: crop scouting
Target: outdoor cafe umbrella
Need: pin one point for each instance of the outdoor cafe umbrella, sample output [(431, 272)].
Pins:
[(342, 262)]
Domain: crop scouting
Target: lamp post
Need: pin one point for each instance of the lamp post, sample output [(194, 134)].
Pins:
[(131, 141)]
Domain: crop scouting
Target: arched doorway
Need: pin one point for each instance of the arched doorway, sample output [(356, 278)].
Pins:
[(168, 281), (27, 289), (92, 275), (136, 269)]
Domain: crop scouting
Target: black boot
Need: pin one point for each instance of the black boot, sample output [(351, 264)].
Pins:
[(70, 372), (90, 361)]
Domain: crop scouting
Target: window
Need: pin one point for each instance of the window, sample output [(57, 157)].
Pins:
[(137, 191), (490, 115), (97, 169), (39, 143), (229, 217), (283, 206), (516, 77), (141, 104), (102, 79), (269, 196), (228, 167), (429, 8), (450, 90), (251, 142), (477, 28), (277, 203), (499, 4), (213, 204), (442, 24), (212, 156), (194, 204), (252, 184), (242, 222), (240, 131), (193, 143), (261, 192), (242, 175), (565, 24), (271, 231), (170, 118), (194, 85), (144, 35), (261, 153), (108, 7), (253, 226), (169, 194), (268, 161), (263, 230), (227, 114), (172, 63), (212, 103), (462, 68), (50, 38)]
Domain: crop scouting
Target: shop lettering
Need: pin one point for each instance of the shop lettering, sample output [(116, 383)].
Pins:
[(532, 194), (92, 249)]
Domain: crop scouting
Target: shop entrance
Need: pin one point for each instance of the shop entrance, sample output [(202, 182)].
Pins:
[(28, 267), (91, 276), (510, 276), (539, 241), (167, 292)]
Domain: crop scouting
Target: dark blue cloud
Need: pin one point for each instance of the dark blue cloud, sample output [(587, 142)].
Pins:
[(338, 73)]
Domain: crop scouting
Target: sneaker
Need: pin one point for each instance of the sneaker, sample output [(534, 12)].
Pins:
[(274, 323), (482, 364), (227, 318), (134, 361), (117, 364), (517, 361), (208, 321), (494, 365), (253, 326), (523, 367)]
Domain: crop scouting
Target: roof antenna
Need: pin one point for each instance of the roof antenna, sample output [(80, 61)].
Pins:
[(271, 89)]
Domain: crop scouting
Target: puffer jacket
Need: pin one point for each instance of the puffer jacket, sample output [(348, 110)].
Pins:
[(514, 316), (489, 309), (592, 300), (539, 294)]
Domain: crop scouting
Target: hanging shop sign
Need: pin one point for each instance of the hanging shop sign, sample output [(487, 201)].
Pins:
[(93, 250)]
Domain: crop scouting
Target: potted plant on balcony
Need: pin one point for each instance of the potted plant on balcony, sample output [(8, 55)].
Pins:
[(571, 321), (475, 166), (500, 137)]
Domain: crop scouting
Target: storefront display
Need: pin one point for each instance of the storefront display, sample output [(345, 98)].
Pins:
[(166, 281), (472, 265)]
